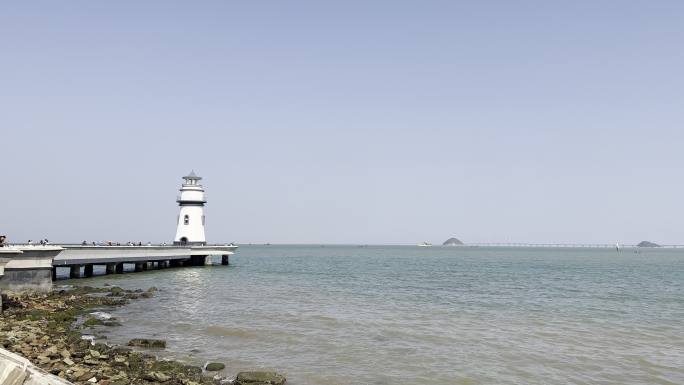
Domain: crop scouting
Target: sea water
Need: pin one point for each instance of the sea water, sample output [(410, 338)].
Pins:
[(421, 315)]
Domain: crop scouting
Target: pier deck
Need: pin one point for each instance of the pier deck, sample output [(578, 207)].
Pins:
[(80, 255), (35, 267)]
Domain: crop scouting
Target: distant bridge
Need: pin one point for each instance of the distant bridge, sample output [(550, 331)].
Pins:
[(566, 245)]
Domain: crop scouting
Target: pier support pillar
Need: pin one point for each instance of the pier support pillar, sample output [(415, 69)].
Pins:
[(54, 273), (139, 267), (162, 264), (110, 268), (225, 261), (149, 265), (88, 270), (198, 260), (144, 266), (174, 263), (119, 268), (75, 271)]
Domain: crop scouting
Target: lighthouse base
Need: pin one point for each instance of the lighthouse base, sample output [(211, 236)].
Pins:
[(189, 243)]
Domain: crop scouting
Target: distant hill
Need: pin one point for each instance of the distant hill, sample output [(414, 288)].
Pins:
[(647, 244), (452, 242)]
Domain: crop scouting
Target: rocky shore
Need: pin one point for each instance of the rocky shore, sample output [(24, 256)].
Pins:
[(47, 329)]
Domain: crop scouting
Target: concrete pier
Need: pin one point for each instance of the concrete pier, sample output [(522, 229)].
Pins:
[(198, 260), (110, 268), (27, 267), (35, 267), (75, 271)]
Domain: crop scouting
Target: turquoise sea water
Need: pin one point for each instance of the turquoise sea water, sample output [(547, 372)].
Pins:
[(417, 315)]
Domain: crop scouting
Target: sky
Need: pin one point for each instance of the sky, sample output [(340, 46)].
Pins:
[(344, 121)]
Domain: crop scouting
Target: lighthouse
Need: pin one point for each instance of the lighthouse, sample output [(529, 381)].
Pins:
[(190, 230)]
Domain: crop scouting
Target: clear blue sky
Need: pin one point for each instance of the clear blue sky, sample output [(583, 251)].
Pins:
[(346, 121)]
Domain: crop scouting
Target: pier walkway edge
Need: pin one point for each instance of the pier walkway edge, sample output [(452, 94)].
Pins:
[(35, 267)]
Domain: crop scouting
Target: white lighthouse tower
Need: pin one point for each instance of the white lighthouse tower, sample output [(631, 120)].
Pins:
[(191, 200)]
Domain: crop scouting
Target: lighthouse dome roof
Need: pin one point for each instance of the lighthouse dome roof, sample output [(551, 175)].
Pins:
[(192, 175)]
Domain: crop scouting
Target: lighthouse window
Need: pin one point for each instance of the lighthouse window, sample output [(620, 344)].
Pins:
[(186, 220), (202, 220)]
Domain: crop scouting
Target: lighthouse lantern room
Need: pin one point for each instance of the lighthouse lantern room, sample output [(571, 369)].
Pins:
[(190, 230)]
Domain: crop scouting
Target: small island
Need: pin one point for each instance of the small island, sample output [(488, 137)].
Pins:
[(452, 242), (647, 244)]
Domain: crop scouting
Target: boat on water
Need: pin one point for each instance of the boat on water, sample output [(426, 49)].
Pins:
[(424, 244)]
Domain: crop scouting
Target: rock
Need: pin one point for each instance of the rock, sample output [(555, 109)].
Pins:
[(121, 350), (214, 367), (147, 343), (43, 360), (85, 376), (42, 328), (120, 379), (136, 361), (119, 359), (102, 316), (116, 291), (647, 244), (156, 376), (452, 242), (77, 374), (259, 378), (147, 294), (52, 351), (152, 289)]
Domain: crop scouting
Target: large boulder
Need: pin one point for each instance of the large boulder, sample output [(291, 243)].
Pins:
[(452, 242), (259, 378)]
